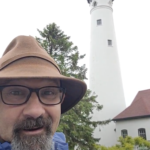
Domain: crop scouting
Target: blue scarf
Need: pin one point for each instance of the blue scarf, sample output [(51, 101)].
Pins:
[(59, 143)]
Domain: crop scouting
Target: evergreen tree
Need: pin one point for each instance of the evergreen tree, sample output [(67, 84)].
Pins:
[(76, 124)]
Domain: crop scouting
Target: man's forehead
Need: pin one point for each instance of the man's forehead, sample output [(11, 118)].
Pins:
[(30, 80)]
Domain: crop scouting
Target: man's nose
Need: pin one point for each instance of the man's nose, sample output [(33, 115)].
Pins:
[(33, 108)]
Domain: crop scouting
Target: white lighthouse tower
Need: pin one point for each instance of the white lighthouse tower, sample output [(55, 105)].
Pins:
[(105, 77)]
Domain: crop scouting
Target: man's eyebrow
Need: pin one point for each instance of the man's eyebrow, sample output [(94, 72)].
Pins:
[(7, 81), (4, 82)]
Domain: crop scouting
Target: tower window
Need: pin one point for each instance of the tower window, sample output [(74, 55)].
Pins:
[(94, 3), (109, 42), (124, 133), (99, 22), (142, 133)]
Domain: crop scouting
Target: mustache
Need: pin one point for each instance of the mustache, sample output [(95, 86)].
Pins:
[(32, 123)]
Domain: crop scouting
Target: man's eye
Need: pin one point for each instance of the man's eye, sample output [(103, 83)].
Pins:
[(16, 92), (48, 93)]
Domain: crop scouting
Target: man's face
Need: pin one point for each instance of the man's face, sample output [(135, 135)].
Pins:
[(31, 121)]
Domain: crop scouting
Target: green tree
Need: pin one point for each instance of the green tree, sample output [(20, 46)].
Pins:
[(76, 124)]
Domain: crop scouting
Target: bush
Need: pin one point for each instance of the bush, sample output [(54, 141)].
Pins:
[(127, 143)]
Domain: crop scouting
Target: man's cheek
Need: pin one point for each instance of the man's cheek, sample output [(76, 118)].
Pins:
[(55, 123)]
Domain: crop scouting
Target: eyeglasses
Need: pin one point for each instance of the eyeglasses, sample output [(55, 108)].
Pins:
[(18, 95)]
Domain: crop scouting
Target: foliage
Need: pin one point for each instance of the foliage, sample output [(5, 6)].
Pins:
[(128, 143), (76, 124)]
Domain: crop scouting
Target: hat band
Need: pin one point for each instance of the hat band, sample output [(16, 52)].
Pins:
[(18, 57)]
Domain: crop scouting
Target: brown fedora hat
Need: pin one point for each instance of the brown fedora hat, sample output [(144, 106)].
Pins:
[(25, 58)]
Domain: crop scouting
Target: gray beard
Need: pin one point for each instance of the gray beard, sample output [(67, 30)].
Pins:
[(32, 142)]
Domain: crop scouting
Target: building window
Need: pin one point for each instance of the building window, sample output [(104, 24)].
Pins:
[(89, 1), (94, 3), (99, 22), (142, 133), (124, 133), (109, 42)]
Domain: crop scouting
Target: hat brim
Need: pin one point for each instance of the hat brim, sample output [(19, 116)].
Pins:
[(33, 67)]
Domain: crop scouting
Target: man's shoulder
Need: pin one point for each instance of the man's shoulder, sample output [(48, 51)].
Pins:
[(59, 141), (5, 146)]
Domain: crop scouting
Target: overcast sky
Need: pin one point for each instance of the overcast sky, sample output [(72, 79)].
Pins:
[(132, 27)]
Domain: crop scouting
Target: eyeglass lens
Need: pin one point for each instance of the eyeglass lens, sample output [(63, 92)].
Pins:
[(19, 94)]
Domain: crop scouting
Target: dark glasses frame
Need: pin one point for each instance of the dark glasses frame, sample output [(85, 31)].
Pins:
[(31, 90)]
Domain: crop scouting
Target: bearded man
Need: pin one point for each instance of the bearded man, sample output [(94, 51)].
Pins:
[(33, 95)]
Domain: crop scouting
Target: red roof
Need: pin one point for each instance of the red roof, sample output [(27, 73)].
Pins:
[(140, 107)]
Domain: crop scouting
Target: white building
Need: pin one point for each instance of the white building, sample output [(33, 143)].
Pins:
[(135, 120), (105, 81), (105, 77)]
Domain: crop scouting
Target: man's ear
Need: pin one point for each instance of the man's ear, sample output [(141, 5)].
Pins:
[(63, 99)]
